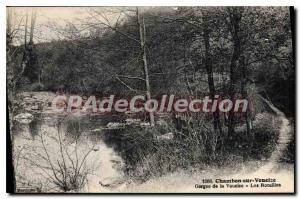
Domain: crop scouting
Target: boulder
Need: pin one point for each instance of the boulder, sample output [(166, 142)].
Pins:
[(24, 118)]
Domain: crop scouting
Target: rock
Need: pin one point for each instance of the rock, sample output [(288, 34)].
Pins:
[(97, 130), (24, 118), (111, 182), (132, 121), (35, 107), (168, 136), (27, 99), (144, 124), (26, 94), (27, 109), (115, 125)]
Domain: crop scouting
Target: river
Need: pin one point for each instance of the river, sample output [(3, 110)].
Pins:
[(37, 139)]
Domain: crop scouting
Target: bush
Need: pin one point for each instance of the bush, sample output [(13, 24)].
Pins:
[(37, 87), (265, 131), (58, 164), (194, 145), (147, 155), (262, 141), (289, 153)]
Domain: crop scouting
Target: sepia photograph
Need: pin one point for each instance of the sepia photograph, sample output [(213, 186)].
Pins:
[(150, 99)]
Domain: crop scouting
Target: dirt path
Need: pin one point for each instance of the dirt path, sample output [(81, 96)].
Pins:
[(284, 138)]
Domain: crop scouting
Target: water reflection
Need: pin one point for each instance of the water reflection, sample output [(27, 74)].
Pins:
[(36, 125), (103, 161)]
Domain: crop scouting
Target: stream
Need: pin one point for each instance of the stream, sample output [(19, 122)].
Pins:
[(104, 164)]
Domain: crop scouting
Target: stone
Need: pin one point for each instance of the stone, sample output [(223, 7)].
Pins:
[(24, 118)]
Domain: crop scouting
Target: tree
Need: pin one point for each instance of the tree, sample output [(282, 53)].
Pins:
[(142, 30), (142, 53), (235, 15), (209, 70), (29, 61)]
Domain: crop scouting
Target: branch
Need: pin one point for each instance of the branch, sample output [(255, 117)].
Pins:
[(131, 77), (130, 88), (48, 157), (113, 28)]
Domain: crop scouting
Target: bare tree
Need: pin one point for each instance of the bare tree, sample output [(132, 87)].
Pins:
[(142, 30), (28, 63), (143, 47), (25, 56), (32, 26)]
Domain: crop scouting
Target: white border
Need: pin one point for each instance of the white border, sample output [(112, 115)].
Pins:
[(149, 3), (5, 3)]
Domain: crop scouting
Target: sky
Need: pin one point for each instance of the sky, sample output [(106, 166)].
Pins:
[(47, 17), (52, 22)]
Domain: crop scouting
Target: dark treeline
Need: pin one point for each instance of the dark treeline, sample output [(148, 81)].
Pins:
[(189, 51)]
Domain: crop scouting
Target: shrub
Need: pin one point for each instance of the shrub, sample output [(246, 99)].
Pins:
[(146, 155), (62, 165), (37, 87)]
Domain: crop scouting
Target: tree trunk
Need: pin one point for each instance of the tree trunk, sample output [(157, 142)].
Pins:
[(210, 77), (25, 54), (33, 19), (29, 64), (244, 93), (142, 31), (235, 16)]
